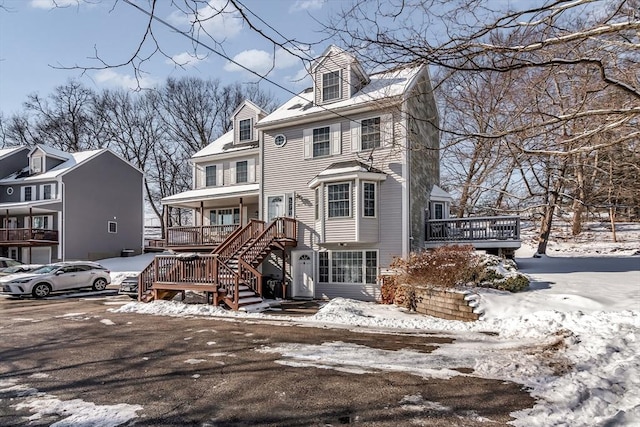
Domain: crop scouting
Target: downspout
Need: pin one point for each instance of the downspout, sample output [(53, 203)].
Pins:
[(62, 234)]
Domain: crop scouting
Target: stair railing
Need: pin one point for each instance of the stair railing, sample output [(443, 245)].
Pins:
[(278, 229), (229, 283), (145, 280), (237, 239)]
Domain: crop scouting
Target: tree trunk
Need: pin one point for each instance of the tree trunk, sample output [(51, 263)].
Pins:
[(549, 210)]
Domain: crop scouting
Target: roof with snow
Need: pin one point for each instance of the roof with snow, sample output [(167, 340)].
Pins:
[(209, 192), (10, 150), (51, 152), (224, 144), (73, 160), (383, 85)]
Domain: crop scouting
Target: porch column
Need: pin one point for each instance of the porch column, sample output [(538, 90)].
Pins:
[(6, 226), (240, 220), (166, 225), (201, 222), (30, 228)]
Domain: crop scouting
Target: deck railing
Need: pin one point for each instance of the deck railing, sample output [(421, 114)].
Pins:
[(198, 235), (28, 234), (473, 229)]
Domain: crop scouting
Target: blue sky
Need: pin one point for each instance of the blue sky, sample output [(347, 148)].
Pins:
[(35, 37)]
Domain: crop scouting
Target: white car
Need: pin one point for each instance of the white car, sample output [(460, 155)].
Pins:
[(60, 276)]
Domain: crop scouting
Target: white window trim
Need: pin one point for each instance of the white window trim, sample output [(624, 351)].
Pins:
[(375, 199), (335, 141), (251, 135), (115, 223), (33, 193), (364, 266), (251, 171), (53, 191), (340, 88), (327, 204), (49, 225), (40, 169), (386, 132)]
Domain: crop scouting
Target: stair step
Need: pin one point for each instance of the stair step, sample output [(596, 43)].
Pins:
[(250, 300), (255, 308), (247, 293)]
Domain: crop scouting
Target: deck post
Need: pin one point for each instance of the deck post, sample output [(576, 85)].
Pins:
[(284, 280), (201, 222), (166, 225)]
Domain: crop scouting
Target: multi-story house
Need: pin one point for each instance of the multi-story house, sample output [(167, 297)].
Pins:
[(68, 206), (340, 179), (360, 154)]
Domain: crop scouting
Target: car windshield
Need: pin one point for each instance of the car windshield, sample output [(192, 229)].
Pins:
[(14, 269), (46, 269)]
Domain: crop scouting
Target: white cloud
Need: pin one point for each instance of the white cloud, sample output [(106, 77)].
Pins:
[(253, 59), (262, 61), (186, 59), (300, 80), (218, 18), (50, 4), (302, 5), (126, 81)]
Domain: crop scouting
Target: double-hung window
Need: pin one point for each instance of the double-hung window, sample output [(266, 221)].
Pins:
[(245, 130), (242, 172), (331, 86), (339, 200), (370, 133), (368, 199), (321, 143), (28, 194), (210, 173)]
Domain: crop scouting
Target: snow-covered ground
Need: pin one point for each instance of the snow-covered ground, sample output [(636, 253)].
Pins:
[(573, 339)]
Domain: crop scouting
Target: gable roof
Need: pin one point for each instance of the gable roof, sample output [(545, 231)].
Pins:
[(382, 86), (73, 160), (249, 104), (5, 152), (224, 144), (51, 152)]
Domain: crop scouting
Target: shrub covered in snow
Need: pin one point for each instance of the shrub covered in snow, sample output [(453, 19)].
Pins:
[(499, 273)]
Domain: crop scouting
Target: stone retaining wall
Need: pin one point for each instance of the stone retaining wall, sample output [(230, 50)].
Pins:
[(445, 304)]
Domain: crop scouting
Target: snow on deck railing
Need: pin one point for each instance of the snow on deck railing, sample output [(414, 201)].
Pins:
[(473, 229)]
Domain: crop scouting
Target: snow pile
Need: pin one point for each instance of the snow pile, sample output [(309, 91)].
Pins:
[(75, 412), (573, 338)]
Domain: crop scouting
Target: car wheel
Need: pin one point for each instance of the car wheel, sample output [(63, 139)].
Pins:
[(41, 290), (99, 284)]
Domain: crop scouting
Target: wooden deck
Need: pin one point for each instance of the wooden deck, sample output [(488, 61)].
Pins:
[(492, 233), (28, 237), (227, 274)]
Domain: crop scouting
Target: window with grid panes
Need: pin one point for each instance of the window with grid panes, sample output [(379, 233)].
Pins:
[(245, 130), (346, 267), (323, 266), (321, 143), (210, 176), (241, 172), (369, 199), (339, 200), (370, 133), (331, 86)]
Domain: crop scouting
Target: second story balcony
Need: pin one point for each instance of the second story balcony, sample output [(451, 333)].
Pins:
[(28, 236)]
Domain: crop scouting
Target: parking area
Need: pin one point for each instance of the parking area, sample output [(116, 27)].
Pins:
[(165, 371)]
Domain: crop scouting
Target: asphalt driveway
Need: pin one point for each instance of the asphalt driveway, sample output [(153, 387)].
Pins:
[(208, 372)]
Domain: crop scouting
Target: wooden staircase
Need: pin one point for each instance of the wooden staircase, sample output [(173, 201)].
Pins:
[(229, 274)]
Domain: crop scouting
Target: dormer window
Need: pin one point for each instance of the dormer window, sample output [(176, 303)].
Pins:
[(331, 86), (245, 130), (36, 164)]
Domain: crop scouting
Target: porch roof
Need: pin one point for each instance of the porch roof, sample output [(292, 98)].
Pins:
[(212, 193), (22, 208)]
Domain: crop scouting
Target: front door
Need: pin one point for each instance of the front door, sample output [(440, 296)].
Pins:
[(302, 274), (275, 207)]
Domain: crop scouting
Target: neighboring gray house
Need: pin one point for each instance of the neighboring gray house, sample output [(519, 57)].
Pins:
[(358, 154), (68, 206)]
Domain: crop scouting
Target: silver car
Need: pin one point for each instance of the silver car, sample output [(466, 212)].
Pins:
[(60, 276)]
